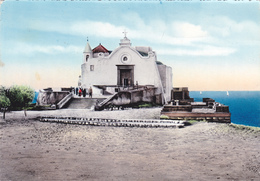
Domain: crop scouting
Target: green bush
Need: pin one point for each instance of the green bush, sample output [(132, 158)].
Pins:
[(4, 100), (192, 121), (20, 96), (145, 105), (164, 117)]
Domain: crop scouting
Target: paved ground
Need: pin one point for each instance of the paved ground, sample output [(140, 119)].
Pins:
[(31, 150)]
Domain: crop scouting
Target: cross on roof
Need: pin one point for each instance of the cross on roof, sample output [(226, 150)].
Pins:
[(125, 33)]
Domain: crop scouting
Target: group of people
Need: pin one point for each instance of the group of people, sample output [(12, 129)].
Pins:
[(83, 92)]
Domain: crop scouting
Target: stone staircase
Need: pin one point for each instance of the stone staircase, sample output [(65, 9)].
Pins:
[(82, 103), (100, 106)]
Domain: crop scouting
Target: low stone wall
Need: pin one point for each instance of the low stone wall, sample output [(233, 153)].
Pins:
[(129, 98), (115, 122), (143, 95), (186, 108), (50, 97), (210, 117)]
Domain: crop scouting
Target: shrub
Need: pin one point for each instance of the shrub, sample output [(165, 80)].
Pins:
[(164, 117), (4, 100), (20, 97)]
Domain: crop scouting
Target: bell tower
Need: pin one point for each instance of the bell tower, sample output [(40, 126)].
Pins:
[(87, 53)]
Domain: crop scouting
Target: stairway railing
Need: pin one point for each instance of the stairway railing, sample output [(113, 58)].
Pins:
[(64, 101), (101, 105)]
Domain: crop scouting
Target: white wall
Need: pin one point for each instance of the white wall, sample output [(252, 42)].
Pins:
[(145, 69), (169, 84), (105, 69)]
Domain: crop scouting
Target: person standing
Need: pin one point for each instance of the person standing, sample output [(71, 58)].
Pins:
[(77, 90), (90, 92), (84, 92), (80, 91)]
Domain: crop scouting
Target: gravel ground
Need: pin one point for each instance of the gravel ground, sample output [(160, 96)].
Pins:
[(31, 150)]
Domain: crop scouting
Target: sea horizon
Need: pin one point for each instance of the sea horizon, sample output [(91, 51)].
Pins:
[(244, 106)]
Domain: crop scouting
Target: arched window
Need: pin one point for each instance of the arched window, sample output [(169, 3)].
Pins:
[(87, 58)]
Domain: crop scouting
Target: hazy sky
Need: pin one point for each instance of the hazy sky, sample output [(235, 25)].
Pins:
[(209, 45)]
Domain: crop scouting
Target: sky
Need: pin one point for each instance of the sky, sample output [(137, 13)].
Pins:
[(209, 45)]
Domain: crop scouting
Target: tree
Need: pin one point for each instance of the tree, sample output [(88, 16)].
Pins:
[(4, 100), (15, 97), (20, 97), (28, 95)]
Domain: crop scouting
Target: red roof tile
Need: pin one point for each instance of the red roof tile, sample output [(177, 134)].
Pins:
[(99, 49)]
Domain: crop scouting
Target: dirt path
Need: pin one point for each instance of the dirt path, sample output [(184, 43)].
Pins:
[(31, 150)]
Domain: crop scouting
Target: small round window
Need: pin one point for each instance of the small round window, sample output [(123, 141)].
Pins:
[(125, 58)]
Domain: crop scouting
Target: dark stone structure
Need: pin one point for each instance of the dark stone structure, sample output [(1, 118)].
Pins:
[(130, 97), (183, 107), (49, 99)]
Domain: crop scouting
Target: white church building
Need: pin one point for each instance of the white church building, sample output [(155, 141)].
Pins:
[(126, 67)]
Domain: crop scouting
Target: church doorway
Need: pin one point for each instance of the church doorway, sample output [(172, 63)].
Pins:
[(126, 82), (125, 75)]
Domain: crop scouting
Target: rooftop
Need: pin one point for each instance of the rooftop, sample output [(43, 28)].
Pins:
[(100, 48)]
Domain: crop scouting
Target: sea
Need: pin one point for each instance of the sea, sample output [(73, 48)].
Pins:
[(244, 106)]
